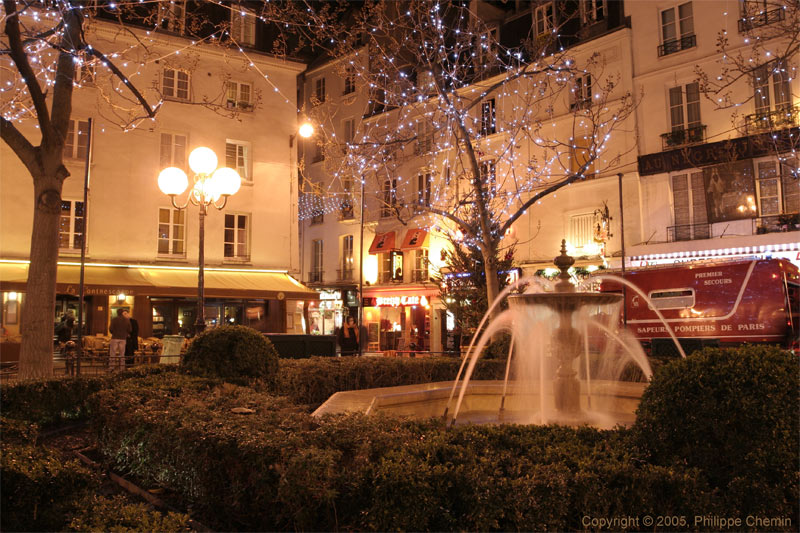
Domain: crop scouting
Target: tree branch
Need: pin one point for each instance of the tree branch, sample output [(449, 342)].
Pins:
[(18, 143)]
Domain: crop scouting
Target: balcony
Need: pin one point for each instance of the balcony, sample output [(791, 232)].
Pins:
[(777, 224), (676, 45), (688, 232), (783, 117), (761, 19), (315, 276), (344, 274), (419, 276), (691, 135)]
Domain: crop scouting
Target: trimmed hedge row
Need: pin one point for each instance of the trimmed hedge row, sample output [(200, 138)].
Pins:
[(234, 353), (281, 469), (312, 381)]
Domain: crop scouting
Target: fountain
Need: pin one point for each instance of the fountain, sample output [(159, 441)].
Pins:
[(550, 332)]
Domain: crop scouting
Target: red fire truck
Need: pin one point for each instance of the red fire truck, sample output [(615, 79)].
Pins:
[(721, 303)]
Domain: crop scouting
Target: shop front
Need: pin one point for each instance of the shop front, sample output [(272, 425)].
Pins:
[(399, 319), (164, 300)]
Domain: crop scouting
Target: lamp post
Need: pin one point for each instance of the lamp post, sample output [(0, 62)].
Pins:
[(210, 185)]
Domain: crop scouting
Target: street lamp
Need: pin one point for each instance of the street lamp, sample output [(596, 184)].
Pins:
[(210, 185)]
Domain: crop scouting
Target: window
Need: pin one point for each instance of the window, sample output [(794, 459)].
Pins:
[(76, 144), (237, 228), (85, 72), (175, 84), (349, 129), (581, 92), (315, 276), (424, 188), (757, 13), (489, 175), (487, 46), (772, 97), (346, 273), (581, 229), (172, 150), (238, 96), (173, 16), (425, 82), (347, 201), (420, 272), (389, 198), (237, 157), (488, 122), (581, 159), (319, 152), (243, 26), (593, 11), (385, 273), (171, 231), (672, 299), (777, 193), (349, 80), (319, 91), (684, 116), (677, 29), (424, 141), (689, 204), (71, 226), (543, 19)]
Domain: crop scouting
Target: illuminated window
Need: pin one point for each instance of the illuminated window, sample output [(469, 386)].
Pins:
[(238, 96), (237, 232), (171, 231), (71, 226), (237, 157)]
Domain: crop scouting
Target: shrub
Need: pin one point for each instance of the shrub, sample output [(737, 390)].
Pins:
[(733, 415), (234, 353), (38, 489), (312, 381), (118, 514), (498, 348)]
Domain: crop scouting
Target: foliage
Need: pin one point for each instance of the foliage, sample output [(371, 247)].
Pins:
[(462, 289), (312, 381), (116, 514), (37, 489), (732, 414), (234, 353), (56, 399), (280, 469)]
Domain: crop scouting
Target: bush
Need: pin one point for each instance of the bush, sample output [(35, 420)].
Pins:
[(37, 489), (280, 469), (233, 353), (498, 348), (733, 415), (312, 381), (118, 514)]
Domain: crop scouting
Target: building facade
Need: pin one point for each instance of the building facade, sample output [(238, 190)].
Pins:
[(141, 252)]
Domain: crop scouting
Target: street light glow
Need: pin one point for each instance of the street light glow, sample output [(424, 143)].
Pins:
[(172, 181), (202, 160)]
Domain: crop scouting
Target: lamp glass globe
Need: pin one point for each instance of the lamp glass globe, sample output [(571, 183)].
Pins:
[(306, 130), (202, 160), (228, 180), (207, 190), (172, 180)]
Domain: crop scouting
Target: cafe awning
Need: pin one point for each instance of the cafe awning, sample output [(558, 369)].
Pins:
[(162, 281), (415, 238), (383, 242)]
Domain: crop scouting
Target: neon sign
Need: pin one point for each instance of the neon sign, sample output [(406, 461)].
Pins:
[(396, 301)]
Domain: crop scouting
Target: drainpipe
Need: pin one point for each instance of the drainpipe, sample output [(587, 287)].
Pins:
[(622, 238)]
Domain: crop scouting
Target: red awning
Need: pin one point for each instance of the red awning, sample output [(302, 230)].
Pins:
[(383, 242), (415, 238)]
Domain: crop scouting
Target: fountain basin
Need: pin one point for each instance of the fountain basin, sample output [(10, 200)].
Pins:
[(612, 403)]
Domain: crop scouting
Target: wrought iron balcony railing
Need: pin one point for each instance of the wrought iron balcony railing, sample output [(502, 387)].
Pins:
[(761, 19), (688, 232), (315, 276), (782, 117), (691, 135), (344, 274), (676, 45), (777, 223)]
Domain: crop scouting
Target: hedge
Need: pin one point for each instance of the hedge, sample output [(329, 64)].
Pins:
[(280, 469), (312, 381), (733, 414), (234, 353)]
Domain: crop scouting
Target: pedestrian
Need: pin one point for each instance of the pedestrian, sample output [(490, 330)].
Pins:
[(120, 328), (64, 329), (348, 337), (132, 342)]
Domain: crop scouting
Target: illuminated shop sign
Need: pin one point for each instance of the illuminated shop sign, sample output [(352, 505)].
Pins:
[(396, 301)]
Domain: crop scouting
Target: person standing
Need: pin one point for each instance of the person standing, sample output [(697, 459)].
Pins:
[(132, 342), (348, 337), (120, 329)]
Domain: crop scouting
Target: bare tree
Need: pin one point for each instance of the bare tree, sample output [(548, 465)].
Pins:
[(497, 126)]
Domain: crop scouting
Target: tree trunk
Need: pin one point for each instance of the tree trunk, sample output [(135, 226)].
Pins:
[(36, 353)]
